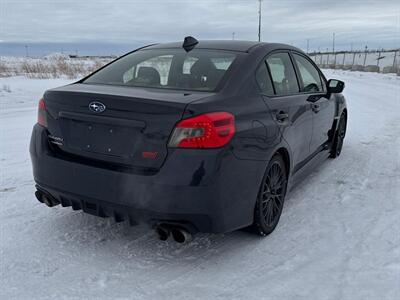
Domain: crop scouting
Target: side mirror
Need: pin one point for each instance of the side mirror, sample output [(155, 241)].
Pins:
[(335, 86)]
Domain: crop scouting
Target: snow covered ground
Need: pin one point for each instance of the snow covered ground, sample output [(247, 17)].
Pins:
[(338, 238)]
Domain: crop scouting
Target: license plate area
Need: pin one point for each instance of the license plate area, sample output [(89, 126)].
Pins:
[(99, 134), (101, 138)]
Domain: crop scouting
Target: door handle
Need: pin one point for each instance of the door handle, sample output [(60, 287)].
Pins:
[(281, 116), (315, 107)]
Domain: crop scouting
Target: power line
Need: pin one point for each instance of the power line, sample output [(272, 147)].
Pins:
[(333, 43)]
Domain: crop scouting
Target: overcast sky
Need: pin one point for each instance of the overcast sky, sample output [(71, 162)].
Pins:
[(361, 22)]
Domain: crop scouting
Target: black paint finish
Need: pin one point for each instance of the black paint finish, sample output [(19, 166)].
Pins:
[(100, 165)]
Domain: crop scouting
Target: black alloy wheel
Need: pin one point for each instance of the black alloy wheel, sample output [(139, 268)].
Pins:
[(271, 197), (339, 138)]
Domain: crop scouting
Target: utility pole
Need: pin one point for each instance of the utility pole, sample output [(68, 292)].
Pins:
[(259, 20), (233, 36), (327, 60), (333, 43), (308, 45), (379, 58), (365, 55), (26, 51), (334, 60)]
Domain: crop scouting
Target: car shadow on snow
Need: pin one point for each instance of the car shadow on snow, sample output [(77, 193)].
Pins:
[(80, 233)]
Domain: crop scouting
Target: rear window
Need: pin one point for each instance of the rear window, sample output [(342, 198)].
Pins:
[(199, 69)]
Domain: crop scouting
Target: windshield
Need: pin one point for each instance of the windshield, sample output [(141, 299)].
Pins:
[(199, 69)]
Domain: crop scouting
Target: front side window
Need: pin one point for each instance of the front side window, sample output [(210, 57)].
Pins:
[(199, 70), (282, 73), (308, 74)]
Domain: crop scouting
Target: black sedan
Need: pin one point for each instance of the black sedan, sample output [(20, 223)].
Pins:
[(196, 136)]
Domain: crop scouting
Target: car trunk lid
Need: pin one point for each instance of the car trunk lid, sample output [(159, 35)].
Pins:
[(133, 129)]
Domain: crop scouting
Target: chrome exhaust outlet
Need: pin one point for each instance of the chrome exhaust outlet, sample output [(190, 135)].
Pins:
[(181, 235), (163, 232), (46, 199)]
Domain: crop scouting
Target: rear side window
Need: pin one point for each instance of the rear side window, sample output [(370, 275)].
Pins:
[(188, 63), (263, 80), (282, 73), (309, 75), (198, 70)]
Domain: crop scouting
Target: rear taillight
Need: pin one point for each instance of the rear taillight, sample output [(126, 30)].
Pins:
[(210, 130), (42, 117)]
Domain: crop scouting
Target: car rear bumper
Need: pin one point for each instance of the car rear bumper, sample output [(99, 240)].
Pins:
[(203, 190)]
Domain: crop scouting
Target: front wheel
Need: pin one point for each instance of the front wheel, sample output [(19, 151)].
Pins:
[(271, 196), (339, 137)]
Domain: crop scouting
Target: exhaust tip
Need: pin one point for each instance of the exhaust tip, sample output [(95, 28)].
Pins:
[(39, 196), (46, 199), (181, 236), (163, 233)]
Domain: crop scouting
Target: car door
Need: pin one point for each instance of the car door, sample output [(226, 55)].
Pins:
[(290, 109), (313, 85)]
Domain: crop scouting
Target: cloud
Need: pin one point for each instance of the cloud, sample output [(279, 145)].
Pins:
[(375, 23)]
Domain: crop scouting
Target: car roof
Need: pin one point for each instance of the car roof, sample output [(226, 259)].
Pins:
[(229, 45)]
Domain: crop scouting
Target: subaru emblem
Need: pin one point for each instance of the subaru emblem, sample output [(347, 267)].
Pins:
[(97, 107)]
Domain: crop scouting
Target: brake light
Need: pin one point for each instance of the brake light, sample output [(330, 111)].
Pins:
[(42, 117), (210, 130)]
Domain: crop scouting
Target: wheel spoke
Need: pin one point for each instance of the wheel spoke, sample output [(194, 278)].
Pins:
[(266, 191), (278, 173), (267, 212), (268, 179), (280, 182), (277, 205), (279, 199), (269, 216)]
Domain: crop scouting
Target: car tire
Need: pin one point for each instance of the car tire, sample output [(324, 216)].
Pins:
[(270, 197), (339, 136)]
